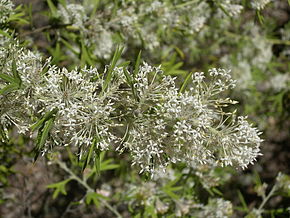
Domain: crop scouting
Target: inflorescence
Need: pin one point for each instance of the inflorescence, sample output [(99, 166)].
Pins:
[(148, 115)]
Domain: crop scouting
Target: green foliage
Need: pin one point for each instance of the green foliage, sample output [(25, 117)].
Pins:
[(59, 188)]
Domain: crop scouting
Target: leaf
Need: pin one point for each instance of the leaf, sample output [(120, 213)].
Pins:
[(174, 69), (9, 88), (89, 154), (241, 197), (129, 78), (52, 8), (15, 73), (257, 178), (59, 188), (169, 191), (150, 211), (85, 56), (98, 161), (260, 17), (181, 54), (46, 117), (42, 136), (17, 17), (106, 166), (93, 197), (137, 64), (184, 84), (218, 192), (96, 4), (124, 64), (7, 78), (69, 46), (4, 33), (221, 7), (112, 66), (56, 54)]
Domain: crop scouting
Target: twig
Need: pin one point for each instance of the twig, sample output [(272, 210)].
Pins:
[(89, 189), (267, 197)]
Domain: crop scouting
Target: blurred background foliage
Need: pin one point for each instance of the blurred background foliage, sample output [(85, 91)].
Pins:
[(183, 37)]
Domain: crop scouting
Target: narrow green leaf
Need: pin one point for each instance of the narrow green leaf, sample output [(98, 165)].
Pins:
[(130, 81), (89, 154), (98, 161), (137, 63), (182, 89), (128, 77), (109, 167), (181, 54), (85, 57), (102, 155), (52, 8), (222, 8), (111, 68), (42, 137), (69, 46), (124, 64), (170, 193), (260, 17), (15, 72), (4, 33), (215, 190), (47, 116), (244, 204), (7, 78), (257, 178), (150, 211), (9, 88), (62, 2), (96, 4)]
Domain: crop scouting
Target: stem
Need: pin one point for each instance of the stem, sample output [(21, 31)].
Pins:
[(267, 197), (89, 189)]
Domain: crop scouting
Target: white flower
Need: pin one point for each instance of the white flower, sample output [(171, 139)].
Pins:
[(259, 4)]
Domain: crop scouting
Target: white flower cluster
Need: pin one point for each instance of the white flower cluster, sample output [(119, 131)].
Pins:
[(143, 21), (83, 112), (217, 208), (73, 14), (147, 23), (15, 106), (259, 4), (231, 7), (6, 8), (163, 125), (152, 193), (255, 53), (170, 126)]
